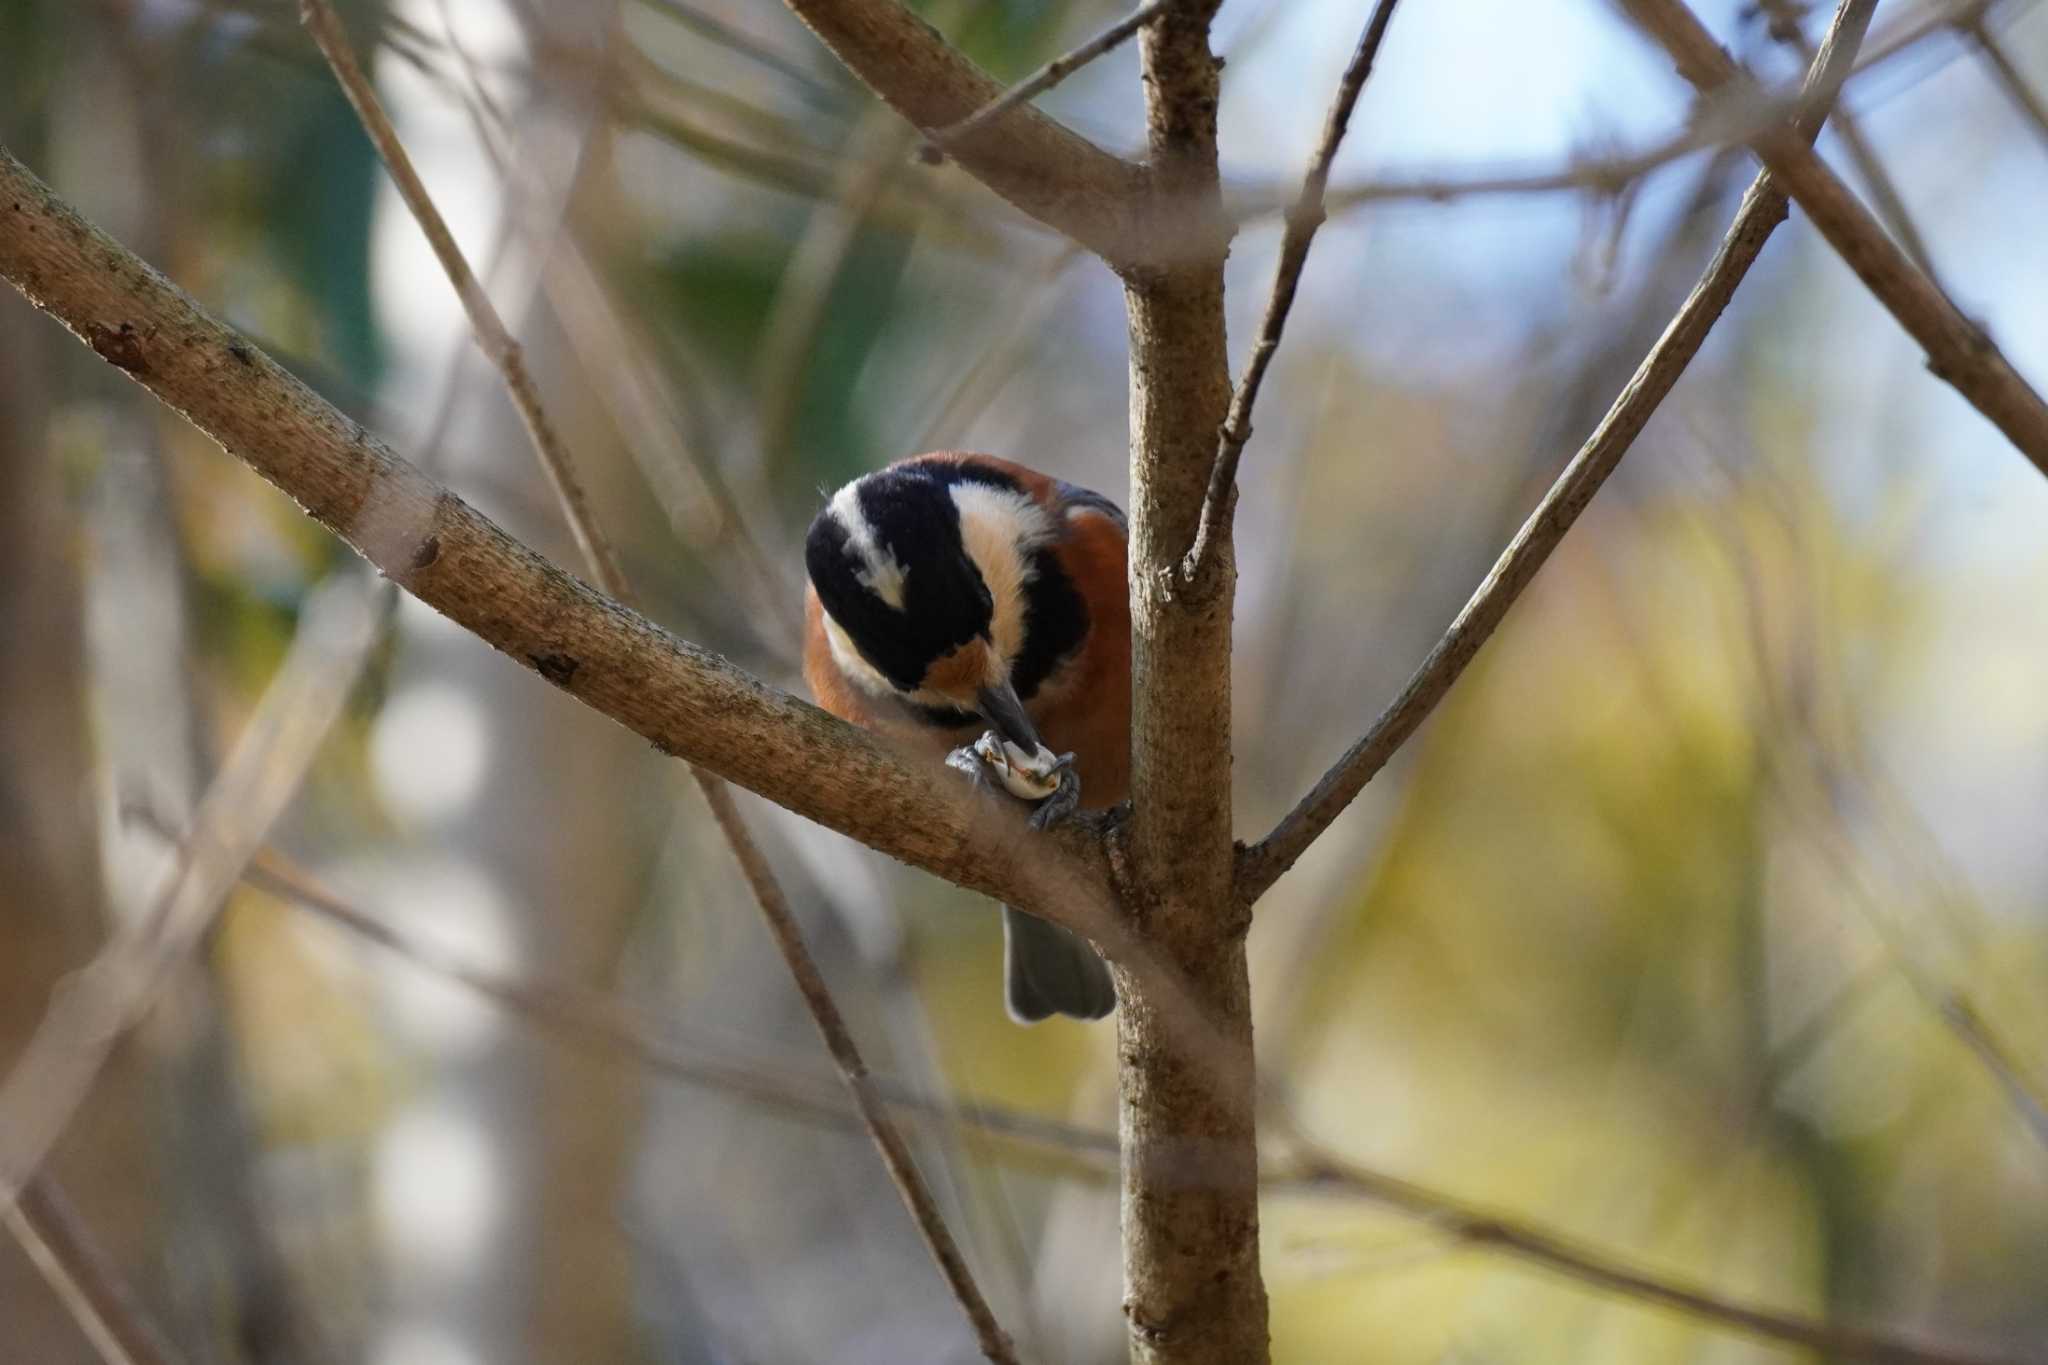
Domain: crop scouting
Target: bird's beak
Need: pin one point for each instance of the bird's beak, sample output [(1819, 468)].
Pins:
[(1000, 707)]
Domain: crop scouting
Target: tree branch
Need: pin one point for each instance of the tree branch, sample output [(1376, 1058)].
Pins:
[(1050, 75), (1958, 351), (1763, 208), (1219, 500), (685, 700), (1050, 172)]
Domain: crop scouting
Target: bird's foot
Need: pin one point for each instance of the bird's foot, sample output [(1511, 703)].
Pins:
[(1045, 778), (1065, 798)]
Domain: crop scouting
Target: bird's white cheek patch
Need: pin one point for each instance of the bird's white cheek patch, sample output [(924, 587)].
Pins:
[(999, 529), (862, 673)]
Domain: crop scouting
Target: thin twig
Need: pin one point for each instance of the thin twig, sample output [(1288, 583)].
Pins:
[(1021, 320), (2009, 78), (1884, 191), (98, 1297), (1303, 219), (1958, 350), (1763, 208), (504, 352), (1321, 1169), (496, 342), (745, 45), (853, 1069), (1047, 76)]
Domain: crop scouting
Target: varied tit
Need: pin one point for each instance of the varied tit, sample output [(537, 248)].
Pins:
[(952, 592)]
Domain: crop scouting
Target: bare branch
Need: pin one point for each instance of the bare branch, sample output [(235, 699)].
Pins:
[(1958, 351), (687, 701), (1049, 75), (1763, 208), (1303, 219), (99, 1299), (1321, 1169), (498, 344), (1044, 168)]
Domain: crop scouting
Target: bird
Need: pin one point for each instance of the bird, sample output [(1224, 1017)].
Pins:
[(953, 592)]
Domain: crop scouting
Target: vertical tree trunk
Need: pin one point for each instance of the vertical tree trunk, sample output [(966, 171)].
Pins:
[(1193, 1291)]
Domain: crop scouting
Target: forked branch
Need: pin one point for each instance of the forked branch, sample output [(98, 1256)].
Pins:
[(1044, 168), (1051, 74)]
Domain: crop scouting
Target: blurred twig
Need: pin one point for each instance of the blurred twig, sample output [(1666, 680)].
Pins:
[(616, 1028), (1047, 76), (969, 395), (2028, 101), (100, 1300), (1763, 208), (1306, 215), (504, 352), (871, 158), (745, 45), (1958, 350), (91, 1013), (1319, 1168)]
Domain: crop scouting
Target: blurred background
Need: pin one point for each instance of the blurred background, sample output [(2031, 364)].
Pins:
[(1705, 924)]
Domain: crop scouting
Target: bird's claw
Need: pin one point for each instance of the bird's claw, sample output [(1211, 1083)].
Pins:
[(1044, 777), (1065, 798)]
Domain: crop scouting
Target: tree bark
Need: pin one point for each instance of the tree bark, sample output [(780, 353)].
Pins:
[(1192, 1288)]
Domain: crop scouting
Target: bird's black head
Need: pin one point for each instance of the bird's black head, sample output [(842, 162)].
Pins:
[(891, 569)]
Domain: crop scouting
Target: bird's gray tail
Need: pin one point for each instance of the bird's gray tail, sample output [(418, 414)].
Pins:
[(1049, 971)]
